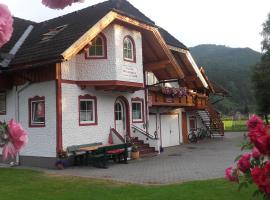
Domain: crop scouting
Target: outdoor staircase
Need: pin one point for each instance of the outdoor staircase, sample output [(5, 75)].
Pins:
[(212, 121), (144, 149)]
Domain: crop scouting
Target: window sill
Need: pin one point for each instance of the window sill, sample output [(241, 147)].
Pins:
[(37, 125), (88, 124), (138, 121), (128, 60)]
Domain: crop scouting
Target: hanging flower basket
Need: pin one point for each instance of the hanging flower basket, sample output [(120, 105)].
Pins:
[(174, 92), (12, 138)]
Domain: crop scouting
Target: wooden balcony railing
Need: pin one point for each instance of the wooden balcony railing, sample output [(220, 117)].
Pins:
[(194, 100), (201, 101)]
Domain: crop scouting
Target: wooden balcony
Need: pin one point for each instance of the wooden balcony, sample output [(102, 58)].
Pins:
[(201, 101), (192, 100)]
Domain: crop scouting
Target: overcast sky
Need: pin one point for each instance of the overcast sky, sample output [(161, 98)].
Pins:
[(234, 23)]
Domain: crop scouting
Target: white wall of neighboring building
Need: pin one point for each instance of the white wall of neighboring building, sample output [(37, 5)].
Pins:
[(42, 141), (113, 67), (73, 134)]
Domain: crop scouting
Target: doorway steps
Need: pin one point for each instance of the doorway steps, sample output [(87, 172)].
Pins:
[(144, 149)]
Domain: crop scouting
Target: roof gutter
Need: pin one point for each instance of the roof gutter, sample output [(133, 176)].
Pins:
[(5, 63)]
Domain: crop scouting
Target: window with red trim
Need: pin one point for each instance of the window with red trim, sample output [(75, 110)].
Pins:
[(37, 112), (3, 103), (98, 48), (87, 110), (129, 49), (137, 110)]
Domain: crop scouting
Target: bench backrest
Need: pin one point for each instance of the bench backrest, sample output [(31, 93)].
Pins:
[(109, 148), (75, 148)]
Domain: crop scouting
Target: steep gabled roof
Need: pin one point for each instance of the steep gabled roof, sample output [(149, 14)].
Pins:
[(19, 25), (171, 40), (76, 24)]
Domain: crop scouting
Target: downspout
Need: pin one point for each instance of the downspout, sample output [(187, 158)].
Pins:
[(146, 113), (5, 63), (17, 110)]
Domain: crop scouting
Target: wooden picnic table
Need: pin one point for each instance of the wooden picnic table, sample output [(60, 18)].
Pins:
[(94, 148), (101, 152)]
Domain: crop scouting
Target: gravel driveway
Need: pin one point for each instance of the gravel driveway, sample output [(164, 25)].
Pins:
[(204, 160)]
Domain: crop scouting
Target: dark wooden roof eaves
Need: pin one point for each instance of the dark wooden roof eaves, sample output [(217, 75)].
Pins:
[(78, 23), (171, 40), (219, 90)]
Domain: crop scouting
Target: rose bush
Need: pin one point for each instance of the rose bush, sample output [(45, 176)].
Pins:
[(12, 138), (6, 24), (59, 4), (254, 167)]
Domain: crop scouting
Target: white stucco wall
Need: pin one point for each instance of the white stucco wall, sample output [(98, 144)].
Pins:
[(42, 141), (113, 67), (128, 71), (73, 134)]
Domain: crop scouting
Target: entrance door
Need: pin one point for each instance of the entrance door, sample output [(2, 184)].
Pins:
[(120, 117), (170, 130)]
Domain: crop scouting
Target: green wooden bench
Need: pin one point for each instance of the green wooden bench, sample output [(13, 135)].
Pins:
[(80, 156), (117, 152)]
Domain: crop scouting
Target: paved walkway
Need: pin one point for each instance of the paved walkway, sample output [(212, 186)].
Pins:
[(204, 160)]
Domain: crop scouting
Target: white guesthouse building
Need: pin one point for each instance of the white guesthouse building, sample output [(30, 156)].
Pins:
[(77, 78)]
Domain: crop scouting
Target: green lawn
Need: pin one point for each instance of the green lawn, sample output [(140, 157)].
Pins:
[(238, 125), (26, 185)]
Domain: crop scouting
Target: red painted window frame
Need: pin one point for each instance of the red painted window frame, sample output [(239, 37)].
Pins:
[(4, 112), (36, 98), (104, 40), (133, 49), (85, 97), (136, 100)]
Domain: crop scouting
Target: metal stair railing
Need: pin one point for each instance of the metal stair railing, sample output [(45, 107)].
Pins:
[(141, 131)]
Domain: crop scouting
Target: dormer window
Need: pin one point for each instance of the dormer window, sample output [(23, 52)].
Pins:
[(97, 49), (129, 49)]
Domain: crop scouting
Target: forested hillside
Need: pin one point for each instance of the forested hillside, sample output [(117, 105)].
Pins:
[(230, 68)]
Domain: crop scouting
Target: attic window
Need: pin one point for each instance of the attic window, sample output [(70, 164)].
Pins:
[(52, 32)]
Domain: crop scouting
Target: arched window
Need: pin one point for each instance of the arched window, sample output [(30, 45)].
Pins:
[(129, 49), (98, 48)]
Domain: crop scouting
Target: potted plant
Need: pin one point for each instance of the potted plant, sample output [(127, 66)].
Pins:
[(135, 154), (62, 161)]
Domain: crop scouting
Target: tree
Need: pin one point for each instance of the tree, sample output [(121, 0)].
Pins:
[(261, 74)]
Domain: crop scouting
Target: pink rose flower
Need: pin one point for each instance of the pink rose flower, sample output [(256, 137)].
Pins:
[(6, 24), (254, 123), (17, 134), (231, 175), (59, 4), (261, 177), (256, 153), (263, 144), (244, 163)]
